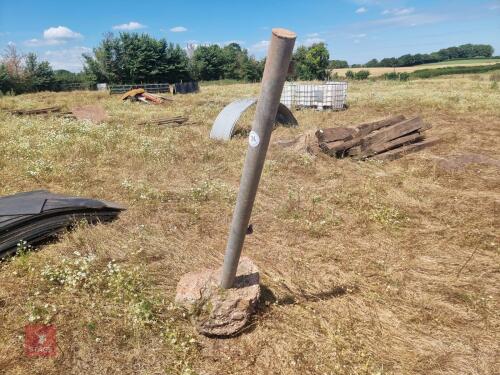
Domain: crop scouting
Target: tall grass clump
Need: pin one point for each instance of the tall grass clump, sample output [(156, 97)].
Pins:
[(393, 76), (358, 76), (495, 77)]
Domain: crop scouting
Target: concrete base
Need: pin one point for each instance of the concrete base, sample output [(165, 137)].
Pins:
[(216, 311)]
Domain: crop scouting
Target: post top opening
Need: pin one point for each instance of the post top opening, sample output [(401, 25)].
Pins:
[(284, 33)]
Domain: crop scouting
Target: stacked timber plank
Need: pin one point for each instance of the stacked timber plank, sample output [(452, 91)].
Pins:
[(37, 111), (169, 121), (145, 97), (94, 113), (386, 139)]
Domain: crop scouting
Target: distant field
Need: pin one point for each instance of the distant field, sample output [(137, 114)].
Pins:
[(409, 69), (464, 62)]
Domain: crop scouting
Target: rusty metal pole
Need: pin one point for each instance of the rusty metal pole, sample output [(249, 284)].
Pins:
[(275, 71)]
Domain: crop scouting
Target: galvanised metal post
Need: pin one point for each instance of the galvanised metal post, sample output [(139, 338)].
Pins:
[(275, 71)]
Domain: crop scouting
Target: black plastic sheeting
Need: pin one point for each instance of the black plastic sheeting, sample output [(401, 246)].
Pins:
[(186, 87), (39, 215)]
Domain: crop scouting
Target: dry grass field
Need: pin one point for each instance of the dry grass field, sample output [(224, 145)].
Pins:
[(367, 267), (378, 71)]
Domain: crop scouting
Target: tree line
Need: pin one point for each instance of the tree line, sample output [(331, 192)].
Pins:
[(21, 73), (140, 58), (465, 51), (130, 58)]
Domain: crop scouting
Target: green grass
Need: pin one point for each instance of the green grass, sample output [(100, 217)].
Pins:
[(368, 267)]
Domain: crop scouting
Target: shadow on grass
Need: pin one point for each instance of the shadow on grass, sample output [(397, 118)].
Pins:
[(268, 298)]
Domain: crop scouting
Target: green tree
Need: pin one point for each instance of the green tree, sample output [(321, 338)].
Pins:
[(349, 74), (252, 70), (229, 62), (11, 70), (38, 76), (299, 62), (338, 64), (5, 79), (63, 78), (175, 64), (234, 59), (208, 62), (134, 58), (21, 74), (311, 62), (372, 63), (362, 74), (465, 51), (405, 60), (388, 61)]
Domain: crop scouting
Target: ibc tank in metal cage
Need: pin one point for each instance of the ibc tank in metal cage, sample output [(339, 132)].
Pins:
[(329, 95)]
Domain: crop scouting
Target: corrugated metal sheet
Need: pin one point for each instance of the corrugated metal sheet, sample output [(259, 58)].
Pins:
[(224, 124), (223, 127)]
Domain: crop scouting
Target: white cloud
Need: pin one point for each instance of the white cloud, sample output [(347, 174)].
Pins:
[(70, 58), (398, 11), (43, 42), (358, 36), (361, 10), (409, 20), (178, 29), (310, 41), (313, 35), (132, 25), (60, 32), (259, 46), (54, 36)]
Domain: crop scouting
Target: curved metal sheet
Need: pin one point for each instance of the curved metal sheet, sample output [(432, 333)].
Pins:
[(285, 116), (223, 127), (225, 123)]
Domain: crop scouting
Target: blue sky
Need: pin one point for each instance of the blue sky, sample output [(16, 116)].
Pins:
[(354, 30)]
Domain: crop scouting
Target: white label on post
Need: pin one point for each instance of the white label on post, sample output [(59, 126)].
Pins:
[(253, 139)]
